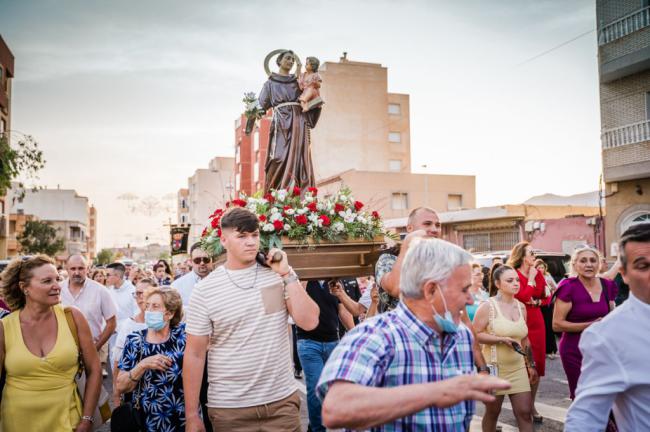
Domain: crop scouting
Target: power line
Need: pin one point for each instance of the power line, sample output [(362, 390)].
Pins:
[(555, 48)]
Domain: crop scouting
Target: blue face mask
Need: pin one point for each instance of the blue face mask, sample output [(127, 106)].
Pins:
[(446, 323), (154, 320)]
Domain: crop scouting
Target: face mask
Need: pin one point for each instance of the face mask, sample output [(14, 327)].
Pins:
[(154, 320), (446, 323)]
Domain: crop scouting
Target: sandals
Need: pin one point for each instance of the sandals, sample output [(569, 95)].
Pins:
[(538, 419)]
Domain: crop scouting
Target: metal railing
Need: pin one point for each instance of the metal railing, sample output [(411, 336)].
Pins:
[(624, 135), (624, 26)]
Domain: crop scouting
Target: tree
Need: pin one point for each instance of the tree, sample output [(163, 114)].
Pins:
[(23, 160), (105, 256), (40, 237)]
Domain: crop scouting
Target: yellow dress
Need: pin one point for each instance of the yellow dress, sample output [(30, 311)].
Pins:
[(511, 364), (40, 393)]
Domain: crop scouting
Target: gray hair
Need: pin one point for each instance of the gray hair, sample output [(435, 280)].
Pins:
[(576, 254), (429, 259)]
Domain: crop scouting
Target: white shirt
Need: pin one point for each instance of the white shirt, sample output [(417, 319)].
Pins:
[(123, 297), (615, 353), (185, 286), (94, 301), (366, 299), (126, 328)]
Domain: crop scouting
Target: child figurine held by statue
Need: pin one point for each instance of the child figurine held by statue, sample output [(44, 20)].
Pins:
[(309, 82)]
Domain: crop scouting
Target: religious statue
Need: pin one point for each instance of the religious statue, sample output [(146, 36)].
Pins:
[(309, 83), (289, 154)]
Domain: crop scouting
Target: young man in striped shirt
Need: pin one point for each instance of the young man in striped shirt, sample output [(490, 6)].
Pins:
[(238, 315)]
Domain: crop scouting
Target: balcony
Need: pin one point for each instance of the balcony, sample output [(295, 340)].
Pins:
[(624, 26), (625, 135)]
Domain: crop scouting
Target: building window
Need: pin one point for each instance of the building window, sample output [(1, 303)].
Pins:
[(490, 241), (256, 172), (256, 140), (12, 227), (394, 165), (399, 201), (75, 233), (454, 202), (644, 218), (394, 137), (237, 153), (237, 182), (647, 106), (183, 203), (394, 109)]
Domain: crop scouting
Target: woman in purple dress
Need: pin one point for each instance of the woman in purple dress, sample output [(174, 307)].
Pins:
[(581, 300)]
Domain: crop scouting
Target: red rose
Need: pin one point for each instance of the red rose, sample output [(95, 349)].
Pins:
[(296, 191), (312, 207), (262, 218), (269, 198), (217, 212), (278, 225), (338, 207), (228, 204), (218, 232), (325, 219), (301, 220), (313, 191), (239, 202), (205, 231), (375, 215), (215, 223), (358, 205), (287, 207)]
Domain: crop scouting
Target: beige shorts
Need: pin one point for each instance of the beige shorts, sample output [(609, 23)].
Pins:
[(279, 416)]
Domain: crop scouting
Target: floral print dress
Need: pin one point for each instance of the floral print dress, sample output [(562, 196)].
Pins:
[(160, 394)]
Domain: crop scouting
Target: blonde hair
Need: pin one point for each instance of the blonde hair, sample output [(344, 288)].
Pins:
[(20, 270), (576, 253), (517, 255), (172, 301)]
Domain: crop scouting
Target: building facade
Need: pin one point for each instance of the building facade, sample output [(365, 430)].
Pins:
[(68, 212), (6, 76), (624, 70), (183, 206), (209, 189)]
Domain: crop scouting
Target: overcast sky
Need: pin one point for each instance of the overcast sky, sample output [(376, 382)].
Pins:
[(133, 96)]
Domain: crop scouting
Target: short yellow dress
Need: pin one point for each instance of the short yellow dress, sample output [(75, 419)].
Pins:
[(40, 393), (511, 364)]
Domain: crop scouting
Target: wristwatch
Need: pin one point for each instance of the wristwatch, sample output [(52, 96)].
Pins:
[(480, 369), (91, 419)]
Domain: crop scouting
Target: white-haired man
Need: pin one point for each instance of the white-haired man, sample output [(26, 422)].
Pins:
[(416, 355)]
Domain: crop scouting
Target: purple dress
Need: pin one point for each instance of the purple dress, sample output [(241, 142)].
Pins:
[(583, 309)]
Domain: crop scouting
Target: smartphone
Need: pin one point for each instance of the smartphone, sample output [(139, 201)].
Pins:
[(261, 259), (517, 347)]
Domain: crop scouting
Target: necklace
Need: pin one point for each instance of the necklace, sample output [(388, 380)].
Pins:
[(257, 267)]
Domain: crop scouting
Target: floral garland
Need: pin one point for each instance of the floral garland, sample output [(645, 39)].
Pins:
[(303, 216)]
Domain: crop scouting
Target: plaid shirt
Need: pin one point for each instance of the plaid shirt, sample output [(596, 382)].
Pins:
[(395, 349)]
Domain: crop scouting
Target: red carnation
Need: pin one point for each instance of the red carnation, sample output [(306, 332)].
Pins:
[(287, 207), (312, 207), (339, 207), (358, 205), (239, 202), (217, 212), (296, 191), (262, 218), (278, 225), (215, 223), (218, 232), (313, 191), (269, 198), (375, 215), (325, 219), (301, 220), (205, 231)]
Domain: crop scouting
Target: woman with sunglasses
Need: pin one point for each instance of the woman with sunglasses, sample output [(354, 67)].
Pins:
[(129, 326), (581, 300), (532, 292)]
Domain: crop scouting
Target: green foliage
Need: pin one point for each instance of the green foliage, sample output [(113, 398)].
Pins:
[(40, 237), (23, 160), (104, 257)]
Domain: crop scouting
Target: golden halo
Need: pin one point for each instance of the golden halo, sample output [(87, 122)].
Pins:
[(273, 54)]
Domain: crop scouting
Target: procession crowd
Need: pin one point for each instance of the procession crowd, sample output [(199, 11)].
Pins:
[(201, 347)]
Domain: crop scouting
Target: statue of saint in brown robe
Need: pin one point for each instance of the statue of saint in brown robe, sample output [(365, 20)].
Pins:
[(289, 155)]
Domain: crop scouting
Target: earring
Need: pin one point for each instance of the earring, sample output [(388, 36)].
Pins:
[(26, 293)]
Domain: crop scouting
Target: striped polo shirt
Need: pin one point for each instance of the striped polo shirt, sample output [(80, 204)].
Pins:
[(245, 315)]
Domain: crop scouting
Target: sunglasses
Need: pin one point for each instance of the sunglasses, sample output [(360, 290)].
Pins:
[(204, 260)]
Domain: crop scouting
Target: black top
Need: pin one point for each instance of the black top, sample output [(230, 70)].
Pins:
[(351, 288), (328, 319)]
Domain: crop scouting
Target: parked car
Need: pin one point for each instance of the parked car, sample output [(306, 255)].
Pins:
[(557, 262)]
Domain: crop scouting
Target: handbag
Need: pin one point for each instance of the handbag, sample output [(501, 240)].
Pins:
[(128, 416), (103, 410)]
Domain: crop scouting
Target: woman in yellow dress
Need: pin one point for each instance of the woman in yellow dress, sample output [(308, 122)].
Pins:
[(40, 356), (500, 324)]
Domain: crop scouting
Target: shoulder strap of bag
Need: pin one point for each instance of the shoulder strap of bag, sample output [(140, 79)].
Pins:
[(73, 329), (493, 347)]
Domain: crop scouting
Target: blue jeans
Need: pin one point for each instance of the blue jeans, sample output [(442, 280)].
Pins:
[(313, 356)]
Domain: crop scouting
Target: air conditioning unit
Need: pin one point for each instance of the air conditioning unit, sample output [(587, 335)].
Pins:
[(591, 221), (529, 226)]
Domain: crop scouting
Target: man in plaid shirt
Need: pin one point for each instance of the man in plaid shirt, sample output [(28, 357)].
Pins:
[(411, 369)]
